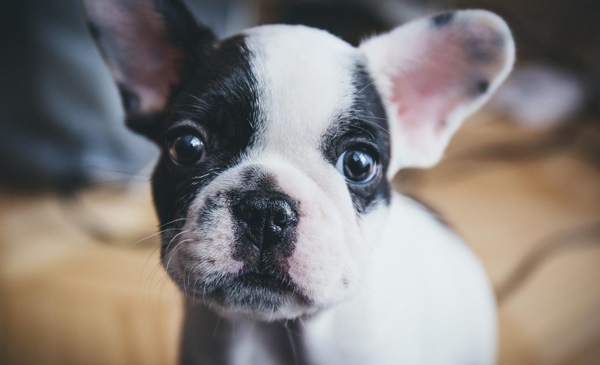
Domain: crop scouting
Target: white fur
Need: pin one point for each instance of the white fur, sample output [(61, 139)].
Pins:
[(305, 81), (306, 78), (250, 347), (415, 294), (425, 300), (296, 67), (419, 56)]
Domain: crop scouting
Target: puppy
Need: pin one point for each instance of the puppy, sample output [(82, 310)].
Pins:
[(278, 147)]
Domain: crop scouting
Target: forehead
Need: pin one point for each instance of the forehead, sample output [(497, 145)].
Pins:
[(305, 80), (273, 92)]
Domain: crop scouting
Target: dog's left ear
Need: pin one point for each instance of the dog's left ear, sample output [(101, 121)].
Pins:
[(432, 74), (147, 44)]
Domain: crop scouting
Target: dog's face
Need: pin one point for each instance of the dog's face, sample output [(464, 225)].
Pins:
[(275, 166), (278, 144)]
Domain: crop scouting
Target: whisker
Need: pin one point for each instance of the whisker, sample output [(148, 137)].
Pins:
[(146, 263), (292, 344), (172, 253), (119, 172), (153, 273), (155, 270), (172, 239), (153, 235), (216, 325), (173, 221), (373, 124), (194, 291), (161, 281), (371, 117), (183, 281), (202, 105), (121, 181), (364, 129), (364, 88)]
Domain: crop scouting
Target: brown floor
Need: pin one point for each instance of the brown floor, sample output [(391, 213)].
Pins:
[(75, 288), (507, 205)]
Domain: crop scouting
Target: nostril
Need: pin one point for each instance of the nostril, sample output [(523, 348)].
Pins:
[(284, 216), (245, 212), (261, 213)]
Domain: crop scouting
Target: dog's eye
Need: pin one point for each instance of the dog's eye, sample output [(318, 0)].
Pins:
[(186, 149), (357, 165)]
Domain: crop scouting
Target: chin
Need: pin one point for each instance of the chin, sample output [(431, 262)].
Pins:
[(256, 296)]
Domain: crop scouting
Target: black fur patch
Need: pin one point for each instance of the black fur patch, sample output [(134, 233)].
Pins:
[(271, 258), (443, 19), (185, 33), (182, 33), (485, 50), (481, 87), (217, 103), (94, 30), (252, 292), (364, 124)]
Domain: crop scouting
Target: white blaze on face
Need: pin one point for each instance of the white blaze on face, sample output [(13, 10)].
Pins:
[(305, 79)]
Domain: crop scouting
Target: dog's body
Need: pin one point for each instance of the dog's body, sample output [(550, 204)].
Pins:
[(273, 186), (426, 301)]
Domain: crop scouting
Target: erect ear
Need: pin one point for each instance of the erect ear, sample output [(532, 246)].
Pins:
[(433, 73), (147, 44)]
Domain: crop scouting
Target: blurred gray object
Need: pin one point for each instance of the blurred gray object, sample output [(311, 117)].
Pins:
[(61, 121), (60, 114), (350, 20)]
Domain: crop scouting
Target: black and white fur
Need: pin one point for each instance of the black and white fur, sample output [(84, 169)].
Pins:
[(356, 274)]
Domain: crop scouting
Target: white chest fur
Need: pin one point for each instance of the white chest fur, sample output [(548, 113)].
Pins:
[(426, 300)]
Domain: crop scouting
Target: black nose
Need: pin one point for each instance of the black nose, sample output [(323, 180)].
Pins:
[(267, 218)]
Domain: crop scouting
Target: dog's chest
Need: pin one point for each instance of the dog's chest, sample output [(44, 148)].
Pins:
[(424, 300)]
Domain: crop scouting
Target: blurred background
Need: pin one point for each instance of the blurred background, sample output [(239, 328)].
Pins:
[(80, 280)]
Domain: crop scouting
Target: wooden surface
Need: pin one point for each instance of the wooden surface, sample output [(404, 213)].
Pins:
[(76, 288), (507, 205), (67, 297)]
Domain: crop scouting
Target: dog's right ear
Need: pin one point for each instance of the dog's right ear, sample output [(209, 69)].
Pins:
[(148, 46), (434, 72)]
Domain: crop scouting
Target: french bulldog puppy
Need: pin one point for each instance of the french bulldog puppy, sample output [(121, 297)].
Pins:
[(273, 187)]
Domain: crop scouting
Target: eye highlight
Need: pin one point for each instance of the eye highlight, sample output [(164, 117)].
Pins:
[(186, 149), (357, 165)]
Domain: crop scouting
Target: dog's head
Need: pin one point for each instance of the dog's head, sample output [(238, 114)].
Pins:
[(278, 144)]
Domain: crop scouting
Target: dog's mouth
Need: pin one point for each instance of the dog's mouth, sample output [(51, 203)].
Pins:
[(258, 283), (252, 291), (264, 281)]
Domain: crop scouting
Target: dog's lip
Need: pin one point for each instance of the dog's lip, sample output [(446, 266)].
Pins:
[(264, 280)]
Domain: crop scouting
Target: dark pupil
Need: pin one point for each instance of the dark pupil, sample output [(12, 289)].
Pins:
[(187, 149), (357, 165)]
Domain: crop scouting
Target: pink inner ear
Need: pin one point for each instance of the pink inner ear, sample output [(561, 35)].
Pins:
[(435, 72), (156, 66), (431, 82), (143, 60)]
